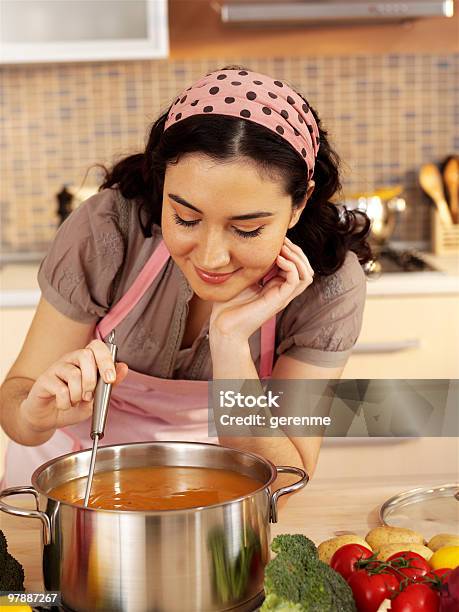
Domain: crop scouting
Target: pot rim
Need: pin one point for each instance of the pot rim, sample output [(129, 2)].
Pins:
[(44, 466)]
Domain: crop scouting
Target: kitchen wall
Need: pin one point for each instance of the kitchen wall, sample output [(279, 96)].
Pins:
[(387, 112)]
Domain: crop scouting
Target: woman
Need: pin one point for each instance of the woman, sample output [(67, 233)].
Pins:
[(214, 254)]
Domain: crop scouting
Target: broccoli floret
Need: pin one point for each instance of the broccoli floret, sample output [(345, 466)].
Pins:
[(342, 599), (11, 571), (296, 580), (297, 542), (273, 603), (3, 546), (294, 584), (284, 577), (11, 575)]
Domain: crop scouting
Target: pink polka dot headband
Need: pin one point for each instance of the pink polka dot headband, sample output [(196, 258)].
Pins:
[(255, 97)]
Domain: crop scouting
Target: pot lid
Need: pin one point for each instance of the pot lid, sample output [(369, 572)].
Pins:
[(429, 510)]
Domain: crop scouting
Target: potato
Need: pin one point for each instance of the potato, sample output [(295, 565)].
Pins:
[(380, 536), (327, 549), (443, 539), (387, 550)]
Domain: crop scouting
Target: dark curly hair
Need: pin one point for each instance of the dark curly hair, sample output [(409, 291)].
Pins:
[(324, 231)]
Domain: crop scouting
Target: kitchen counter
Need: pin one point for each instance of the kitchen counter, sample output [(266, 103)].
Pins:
[(324, 508), (445, 280), (19, 287)]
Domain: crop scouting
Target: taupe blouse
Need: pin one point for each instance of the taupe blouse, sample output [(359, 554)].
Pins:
[(97, 254)]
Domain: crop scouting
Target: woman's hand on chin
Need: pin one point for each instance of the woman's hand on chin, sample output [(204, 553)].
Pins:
[(241, 316)]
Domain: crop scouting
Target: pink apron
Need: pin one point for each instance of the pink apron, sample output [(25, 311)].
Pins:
[(142, 407)]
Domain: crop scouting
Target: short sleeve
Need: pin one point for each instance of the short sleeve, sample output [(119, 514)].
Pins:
[(321, 325), (78, 272)]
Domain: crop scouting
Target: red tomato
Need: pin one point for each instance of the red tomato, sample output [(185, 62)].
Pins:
[(416, 598), (345, 558), (442, 573), (435, 578), (370, 590), (410, 565)]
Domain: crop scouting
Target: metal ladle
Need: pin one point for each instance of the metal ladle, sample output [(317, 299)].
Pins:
[(99, 415)]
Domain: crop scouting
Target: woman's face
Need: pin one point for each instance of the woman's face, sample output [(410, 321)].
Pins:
[(201, 202)]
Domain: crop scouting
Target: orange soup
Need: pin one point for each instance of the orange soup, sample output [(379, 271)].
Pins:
[(157, 488)]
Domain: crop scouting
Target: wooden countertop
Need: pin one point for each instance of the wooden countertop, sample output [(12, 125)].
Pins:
[(324, 508)]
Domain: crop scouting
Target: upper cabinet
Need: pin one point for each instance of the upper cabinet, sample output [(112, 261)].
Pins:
[(83, 30), (201, 29)]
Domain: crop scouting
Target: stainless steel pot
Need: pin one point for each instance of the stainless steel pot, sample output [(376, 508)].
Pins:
[(383, 206), (194, 560)]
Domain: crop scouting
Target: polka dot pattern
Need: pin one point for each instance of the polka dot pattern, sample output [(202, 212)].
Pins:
[(257, 98)]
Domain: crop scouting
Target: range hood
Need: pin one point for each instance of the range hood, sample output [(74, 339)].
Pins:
[(307, 12)]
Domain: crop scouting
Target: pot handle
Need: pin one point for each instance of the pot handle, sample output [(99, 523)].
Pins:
[(24, 512), (284, 490)]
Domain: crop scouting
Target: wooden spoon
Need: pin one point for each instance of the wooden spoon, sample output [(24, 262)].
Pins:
[(431, 182), (451, 178)]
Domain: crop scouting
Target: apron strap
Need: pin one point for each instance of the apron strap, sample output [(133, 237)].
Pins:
[(268, 343), (135, 292)]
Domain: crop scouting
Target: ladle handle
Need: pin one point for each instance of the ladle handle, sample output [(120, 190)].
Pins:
[(284, 490), (102, 396), (25, 512)]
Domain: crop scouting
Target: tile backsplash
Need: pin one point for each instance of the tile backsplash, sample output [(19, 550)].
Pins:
[(386, 115)]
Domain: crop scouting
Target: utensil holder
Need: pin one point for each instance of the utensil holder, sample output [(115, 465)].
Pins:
[(445, 239)]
